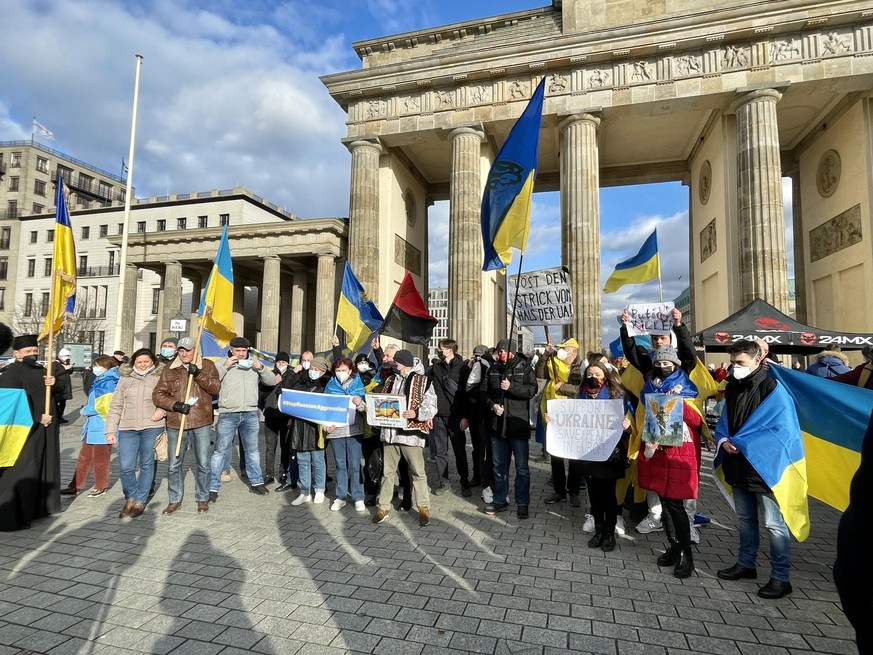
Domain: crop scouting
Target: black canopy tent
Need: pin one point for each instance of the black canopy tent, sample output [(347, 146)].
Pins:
[(760, 320)]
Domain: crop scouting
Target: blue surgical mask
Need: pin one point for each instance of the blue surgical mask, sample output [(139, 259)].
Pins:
[(167, 352)]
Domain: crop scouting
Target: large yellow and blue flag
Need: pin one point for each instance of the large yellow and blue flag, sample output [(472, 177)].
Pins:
[(356, 314), (63, 292), (16, 421), (217, 301), (771, 441), (642, 267), (508, 193), (833, 419)]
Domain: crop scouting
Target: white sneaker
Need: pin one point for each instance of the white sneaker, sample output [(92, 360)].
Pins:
[(695, 535), (302, 498), (649, 524), (360, 506), (335, 506), (588, 526), (319, 498), (619, 525), (487, 495)]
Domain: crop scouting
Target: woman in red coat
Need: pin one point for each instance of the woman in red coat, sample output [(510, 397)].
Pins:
[(673, 471)]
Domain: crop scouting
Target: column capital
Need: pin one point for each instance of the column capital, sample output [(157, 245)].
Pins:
[(370, 142), (467, 130), (266, 257), (579, 117), (744, 98)]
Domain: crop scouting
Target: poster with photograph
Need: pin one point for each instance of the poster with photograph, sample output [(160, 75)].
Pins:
[(663, 422), (385, 410)]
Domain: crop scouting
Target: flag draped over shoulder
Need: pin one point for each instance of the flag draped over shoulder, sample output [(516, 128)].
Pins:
[(506, 202), (63, 293), (16, 422), (217, 301), (770, 439), (642, 267), (833, 418), (408, 318), (356, 313)]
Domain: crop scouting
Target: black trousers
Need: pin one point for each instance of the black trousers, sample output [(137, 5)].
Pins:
[(276, 433), (483, 468), (604, 506), (446, 430), (676, 523), (564, 483)]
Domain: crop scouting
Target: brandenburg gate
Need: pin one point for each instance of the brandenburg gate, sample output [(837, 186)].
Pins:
[(728, 96)]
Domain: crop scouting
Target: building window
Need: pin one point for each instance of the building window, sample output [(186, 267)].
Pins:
[(86, 232), (111, 262), (83, 264), (50, 236), (47, 267), (153, 341), (105, 292), (65, 173), (83, 202), (4, 267), (202, 221), (141, 227), (2, 298), (156, 301), (31, 267), (12, 209), (100, 341), (85, 181), (5, 237), (42, 164), (44, 303), (181, 223), (162, 225), (121, 228), (104, 190), (37, 208), (104, 231), (28, 304), (34, 236), (13, 183), (15, 161), (122, 195), (223, 219), (39, 187)]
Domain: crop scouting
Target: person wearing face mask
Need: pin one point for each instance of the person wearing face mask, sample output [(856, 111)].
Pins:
[(483, 469), (96, 450), (560, 368), (167, 350), (747, 389), (29, 488), (306, 439), (275, 422), (133, 422), (364, 369), (62, 367), (347, 440)]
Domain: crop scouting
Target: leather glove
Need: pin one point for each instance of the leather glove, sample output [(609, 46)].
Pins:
[(193, 370), (181, 408)]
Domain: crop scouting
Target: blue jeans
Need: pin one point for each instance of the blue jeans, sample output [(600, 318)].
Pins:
[(133, 444), (248, 426), (200, 440), (519, 450), (347, 453), (309, 461), (748, 505)]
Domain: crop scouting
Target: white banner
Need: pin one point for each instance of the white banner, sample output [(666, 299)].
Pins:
[(543, 297), (584, 429), (650, 318)]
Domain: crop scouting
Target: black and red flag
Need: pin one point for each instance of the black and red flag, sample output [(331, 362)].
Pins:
[(408, 318)]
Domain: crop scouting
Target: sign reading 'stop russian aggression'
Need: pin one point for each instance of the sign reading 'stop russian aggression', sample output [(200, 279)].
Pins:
[(543, 297)]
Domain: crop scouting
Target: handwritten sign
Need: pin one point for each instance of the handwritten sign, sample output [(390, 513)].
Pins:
[(650, 318), (543, 297), (385, 410), (663, 420), (584, 429)]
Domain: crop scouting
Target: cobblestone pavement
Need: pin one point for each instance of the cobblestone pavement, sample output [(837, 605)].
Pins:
[(258, 575)]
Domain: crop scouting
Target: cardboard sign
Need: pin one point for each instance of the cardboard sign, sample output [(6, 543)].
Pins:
[(543, 297), (650, 318), (663, 421), (321, 408), (385, 410), (584, 429)]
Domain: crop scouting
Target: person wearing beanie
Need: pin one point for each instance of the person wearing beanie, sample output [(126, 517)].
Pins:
[(167, 350), (62, 369), (275, 422), (483, 468)]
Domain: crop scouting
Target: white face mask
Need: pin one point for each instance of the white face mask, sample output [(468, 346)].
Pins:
[(363, 367), (562, 354), (98, 370), (305, 365), (282, 368), (342, 376), (314, 374), (741, 372), (145, 372)]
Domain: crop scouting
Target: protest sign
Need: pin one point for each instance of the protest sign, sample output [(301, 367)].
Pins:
[(663, 420), (321, 408), (584, 429), (650, 318), (385, 410), (543, 297)]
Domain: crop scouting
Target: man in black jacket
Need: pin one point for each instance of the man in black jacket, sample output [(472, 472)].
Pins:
[(506, 391), (450, 423)]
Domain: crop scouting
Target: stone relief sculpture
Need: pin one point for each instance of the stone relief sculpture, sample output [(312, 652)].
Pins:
[(445, 99), (827, 176), (735, 57), (411, 105), (517, 90), (784, 49), (375, 108), (411, 208), (598, 77), (834, 43), (480, 94), (641, 72), (708, 241), (842, 231), (705, 185), (558, 83), (687, 65)]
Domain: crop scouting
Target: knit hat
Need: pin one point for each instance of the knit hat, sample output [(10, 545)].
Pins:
[(64, 352), (506, 344), (282, 356), (320, 363), (404, 358), (666, 354), (172, 340), (480, 350)]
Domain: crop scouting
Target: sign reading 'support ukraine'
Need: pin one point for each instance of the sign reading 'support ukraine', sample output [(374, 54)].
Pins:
[(584, 429), (543, 297), (321, 408)]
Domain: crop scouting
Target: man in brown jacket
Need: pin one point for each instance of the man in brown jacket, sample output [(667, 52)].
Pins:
[(169, 394)]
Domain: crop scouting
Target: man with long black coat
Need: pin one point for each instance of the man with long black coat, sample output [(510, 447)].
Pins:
[(451, 421)]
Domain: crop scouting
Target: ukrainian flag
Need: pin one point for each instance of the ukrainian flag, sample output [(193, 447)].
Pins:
[(506, 202), (16, 422), (770, 439), (356, 314), (833, 419), (217, 301), (642, 267), (63, 292)]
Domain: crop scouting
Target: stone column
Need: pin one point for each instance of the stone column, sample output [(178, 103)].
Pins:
[(763, 264), (298, 298), (465, 240), (270, 300), (580, 225), (364, 227), (325, 313), (172, 296), (128, 317), (801, 306)]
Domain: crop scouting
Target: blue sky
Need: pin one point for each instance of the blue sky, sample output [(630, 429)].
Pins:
[(230, 96)]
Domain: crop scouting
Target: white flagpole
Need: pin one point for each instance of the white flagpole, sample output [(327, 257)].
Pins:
[(122, 262)]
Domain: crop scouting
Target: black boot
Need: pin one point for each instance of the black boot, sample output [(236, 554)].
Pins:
[(608, 544), (685, 566), (670, 556), (596, 539)]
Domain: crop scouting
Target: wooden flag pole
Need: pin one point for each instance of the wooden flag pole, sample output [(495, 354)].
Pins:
[(191, 382)]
